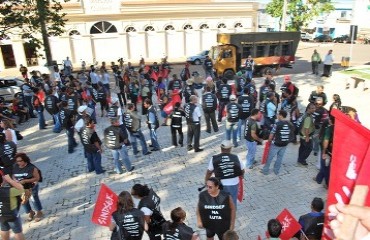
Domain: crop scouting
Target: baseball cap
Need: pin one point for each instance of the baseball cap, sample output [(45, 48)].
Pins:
[(226, 144), (232, 97), (81, 109)]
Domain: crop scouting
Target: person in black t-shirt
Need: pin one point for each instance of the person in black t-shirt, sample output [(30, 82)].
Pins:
[(177, 229)]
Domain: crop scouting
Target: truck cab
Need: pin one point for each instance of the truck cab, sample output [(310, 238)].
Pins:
[(224, 60)]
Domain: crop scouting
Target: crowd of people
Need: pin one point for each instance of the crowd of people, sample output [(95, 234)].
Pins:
[(264, 115)]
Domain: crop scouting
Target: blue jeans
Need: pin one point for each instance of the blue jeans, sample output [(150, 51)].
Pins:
[(232, 127), (154, 138), (94, 162), (71, 139), (249, 74), (16, 226), (241, 126), (233, 190), (57, 126), (121, 152), (138, 135), (40, 113), (252, 147), (36, 200), (274, 150)]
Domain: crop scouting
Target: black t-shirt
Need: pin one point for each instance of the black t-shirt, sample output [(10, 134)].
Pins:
[(179, 232)]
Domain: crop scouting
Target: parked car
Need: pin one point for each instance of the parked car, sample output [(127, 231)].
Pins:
[(305, 37), (9, 86), (199, 58), (323, 38), (342, 39)]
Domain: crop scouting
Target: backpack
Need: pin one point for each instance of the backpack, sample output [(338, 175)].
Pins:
[(295, 91)]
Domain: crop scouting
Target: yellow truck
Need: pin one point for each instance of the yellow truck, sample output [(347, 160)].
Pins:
[(269, 50)]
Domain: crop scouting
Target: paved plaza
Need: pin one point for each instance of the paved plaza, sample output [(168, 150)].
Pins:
[(68, 192)]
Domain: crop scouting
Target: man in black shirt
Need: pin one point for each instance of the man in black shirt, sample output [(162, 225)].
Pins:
[(223, 94), (209, 104)]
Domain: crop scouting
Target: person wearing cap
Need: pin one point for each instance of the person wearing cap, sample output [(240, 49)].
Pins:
[(193, 116), (223, 94), (227, 167), (189, 89), (92, 146), (287, 85), (233, 111), (82, 112), (116, 141), (249, 67), (280, 136)]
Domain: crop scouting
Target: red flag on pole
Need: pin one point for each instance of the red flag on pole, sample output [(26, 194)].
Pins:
[(350, 148), (240, 189), (266, 152), (105, 205), (290, 225)]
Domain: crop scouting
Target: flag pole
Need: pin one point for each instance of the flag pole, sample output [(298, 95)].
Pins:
[(305, 236)]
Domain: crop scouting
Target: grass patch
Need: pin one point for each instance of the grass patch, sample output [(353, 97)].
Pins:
[(363, 73)]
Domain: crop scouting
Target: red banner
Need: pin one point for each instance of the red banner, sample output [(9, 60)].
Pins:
[(350, 149), (290, 225), (266, 152), (240, 189), (105, 205)]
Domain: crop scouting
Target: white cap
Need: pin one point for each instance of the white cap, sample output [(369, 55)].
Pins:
[(232, 97), (226, 144), (81, 109)]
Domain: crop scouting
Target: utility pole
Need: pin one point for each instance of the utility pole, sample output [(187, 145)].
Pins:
[(283, 18), (41, 8)]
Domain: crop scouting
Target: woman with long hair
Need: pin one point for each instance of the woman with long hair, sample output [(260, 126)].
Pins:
[(9, 131), (149, 205), (177, 229), (29, 176), (129, 223)]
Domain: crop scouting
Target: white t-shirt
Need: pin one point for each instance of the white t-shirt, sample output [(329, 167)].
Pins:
[(197, 114), (146, 211), (228, 181), (14, 136)]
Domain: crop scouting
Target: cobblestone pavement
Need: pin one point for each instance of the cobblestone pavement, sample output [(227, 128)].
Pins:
[(68, 192)]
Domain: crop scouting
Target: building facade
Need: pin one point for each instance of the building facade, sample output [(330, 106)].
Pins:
[(106, 30)]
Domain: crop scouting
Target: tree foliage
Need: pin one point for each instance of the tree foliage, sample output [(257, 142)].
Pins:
[(26, 18), (300, 12)]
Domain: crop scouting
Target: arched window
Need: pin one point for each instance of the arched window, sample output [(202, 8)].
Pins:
[(130, 29), (74, 32), (188, 27), (204, 26), (149, 29), (103, 27), (238, 25), (221, 25), (169, 28)]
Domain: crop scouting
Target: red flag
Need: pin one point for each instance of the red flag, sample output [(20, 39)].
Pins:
[(240, 189), (290, 225), (350, 149), (154, 75), (266, 152), (105, 205)]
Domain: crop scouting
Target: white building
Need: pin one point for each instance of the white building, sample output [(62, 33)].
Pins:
[(105, 30)]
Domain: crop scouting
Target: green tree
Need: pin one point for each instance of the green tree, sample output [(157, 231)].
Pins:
[(300, 13), (32, 20)]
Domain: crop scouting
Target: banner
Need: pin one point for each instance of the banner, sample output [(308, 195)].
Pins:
[(290, 226), (350, 149), (240, 189), (266, 152), (105, 205)]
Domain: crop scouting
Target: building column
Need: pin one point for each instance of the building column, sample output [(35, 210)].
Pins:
[(19, 54)]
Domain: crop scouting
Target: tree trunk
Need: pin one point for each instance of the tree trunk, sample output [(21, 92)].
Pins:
[(45, 38)]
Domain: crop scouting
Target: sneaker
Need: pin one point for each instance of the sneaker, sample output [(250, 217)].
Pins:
[(39, 215), (147, 153), (198, 150), (30, 216), (190, 148), (155, 149)]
